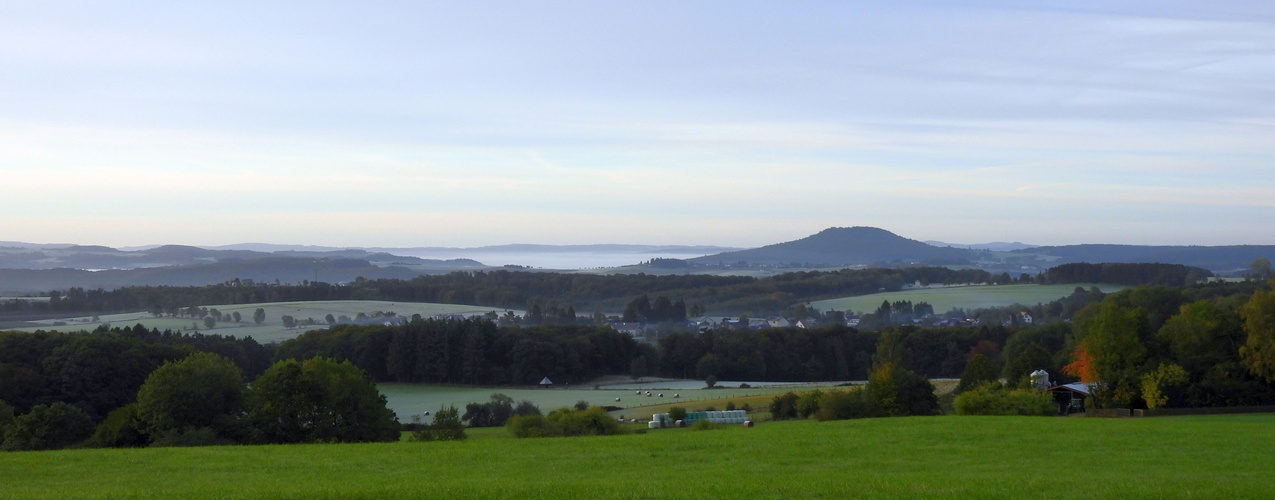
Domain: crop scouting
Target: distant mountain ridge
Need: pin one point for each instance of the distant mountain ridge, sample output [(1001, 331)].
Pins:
[(96, 257), (995, 246)]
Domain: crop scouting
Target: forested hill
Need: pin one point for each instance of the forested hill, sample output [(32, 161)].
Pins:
[(1219, 258), (843, 246)]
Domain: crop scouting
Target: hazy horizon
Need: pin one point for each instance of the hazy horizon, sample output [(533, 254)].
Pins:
[(657, 123)]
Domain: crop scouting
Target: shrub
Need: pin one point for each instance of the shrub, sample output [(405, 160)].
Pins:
[(528, 426), (121, 429), (784, 406), (191, 436), (591, 422), (677, 413), (730, 405), (704, 425), (6, 418), (493, 413), (853, 403), (565, 422), (900, 392), (526, 408), (993, 399), (581, 405), (48, 427), (446, 426), (808, 403)]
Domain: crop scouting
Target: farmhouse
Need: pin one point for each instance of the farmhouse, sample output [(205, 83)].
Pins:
[(1070, 398), (633, 329)]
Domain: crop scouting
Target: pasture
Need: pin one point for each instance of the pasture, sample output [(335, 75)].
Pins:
[(950, 457), (270, 330), (965, 297), (414, 399)]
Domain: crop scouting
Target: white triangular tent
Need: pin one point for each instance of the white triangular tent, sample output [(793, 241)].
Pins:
[(546, 381)]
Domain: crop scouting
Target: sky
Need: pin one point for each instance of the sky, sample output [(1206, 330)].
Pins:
[(734, 123)]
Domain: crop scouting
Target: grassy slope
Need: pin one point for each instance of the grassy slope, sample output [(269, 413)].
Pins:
[(967, 297), (956, 457)]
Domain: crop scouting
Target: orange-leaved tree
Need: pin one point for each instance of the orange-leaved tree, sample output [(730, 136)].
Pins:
[(1081, 365)]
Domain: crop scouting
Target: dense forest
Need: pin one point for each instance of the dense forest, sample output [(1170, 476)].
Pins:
[(102, 370), (472, 351)]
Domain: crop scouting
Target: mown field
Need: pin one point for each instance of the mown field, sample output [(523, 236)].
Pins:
[(951, 457), (965, 297), (414, 399), (272, 329)]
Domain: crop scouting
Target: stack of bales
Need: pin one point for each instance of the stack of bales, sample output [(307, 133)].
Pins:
[(661, 420)]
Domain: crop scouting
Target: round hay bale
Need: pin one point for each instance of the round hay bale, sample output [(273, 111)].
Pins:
[(748, 423), (677, 395), (617, 400), (661, 394), (679, 423)]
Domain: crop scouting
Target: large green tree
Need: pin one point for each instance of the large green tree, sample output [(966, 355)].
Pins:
[(1112, 335), (203, 390), (1258, 351), (318, 400), (978, 370), (1201, 336)]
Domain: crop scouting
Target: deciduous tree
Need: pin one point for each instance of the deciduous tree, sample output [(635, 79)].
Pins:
[(1258, 351), (318, 400), (203, 390)]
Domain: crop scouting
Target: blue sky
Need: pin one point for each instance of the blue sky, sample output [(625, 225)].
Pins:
[(727, 123)]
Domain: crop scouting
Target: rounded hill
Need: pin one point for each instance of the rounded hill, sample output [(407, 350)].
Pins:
[(843, 246)]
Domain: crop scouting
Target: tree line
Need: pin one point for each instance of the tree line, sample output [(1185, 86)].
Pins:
[(204, 399), (472, 351), (1132, 274), (102, 370), (509, 290)]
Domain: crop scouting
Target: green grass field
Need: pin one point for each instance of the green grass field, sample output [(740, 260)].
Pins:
[(951, 457), (272, 329), (413, 399), (966, 297)]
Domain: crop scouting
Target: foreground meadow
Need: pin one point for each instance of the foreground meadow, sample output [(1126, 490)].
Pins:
[(955, 457)]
